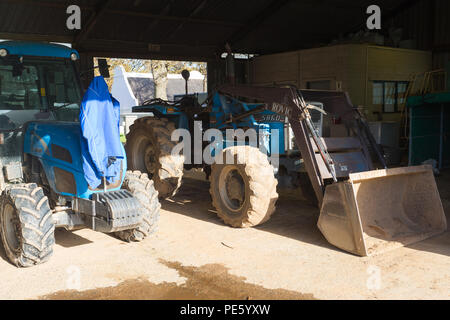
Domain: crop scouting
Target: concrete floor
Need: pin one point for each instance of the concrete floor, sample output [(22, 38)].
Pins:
[(288, 252)]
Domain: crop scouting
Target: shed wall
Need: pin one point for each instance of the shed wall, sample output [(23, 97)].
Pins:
[(351, 68)]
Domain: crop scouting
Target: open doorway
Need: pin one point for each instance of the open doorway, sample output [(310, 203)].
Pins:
[(135, 81)]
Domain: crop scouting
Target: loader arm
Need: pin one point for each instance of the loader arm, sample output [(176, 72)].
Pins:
[(286, 101), (367, 211)]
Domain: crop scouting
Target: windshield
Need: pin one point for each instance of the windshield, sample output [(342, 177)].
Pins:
[(30, 90)]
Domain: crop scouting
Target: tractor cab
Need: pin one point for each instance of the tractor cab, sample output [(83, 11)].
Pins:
[(39, 85), (53, 140), (35, 87)]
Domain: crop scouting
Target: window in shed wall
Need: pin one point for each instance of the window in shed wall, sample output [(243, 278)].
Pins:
[(390, 95)]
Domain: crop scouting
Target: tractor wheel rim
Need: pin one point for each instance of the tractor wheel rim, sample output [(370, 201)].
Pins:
[(12, 227), (232, 189), (144, 155)]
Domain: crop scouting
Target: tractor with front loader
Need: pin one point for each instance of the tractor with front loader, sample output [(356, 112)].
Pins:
[(43, 184), (365, 208)]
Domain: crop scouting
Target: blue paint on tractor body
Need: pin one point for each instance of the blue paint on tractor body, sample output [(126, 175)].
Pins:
[(40, 136), (36, 49), (39, 140), (222, 109)]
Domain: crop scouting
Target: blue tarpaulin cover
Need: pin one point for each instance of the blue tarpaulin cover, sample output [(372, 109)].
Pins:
[(101, 148)]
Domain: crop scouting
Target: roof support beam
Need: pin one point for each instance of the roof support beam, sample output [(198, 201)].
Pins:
[(47, 4), (175, 18), (140, 50), (432, 8), (64, 5), (155, 22), (401, 8), (35, 37), (192, 14), (86, 30), (122, 54), (164, 11), (253, 23)]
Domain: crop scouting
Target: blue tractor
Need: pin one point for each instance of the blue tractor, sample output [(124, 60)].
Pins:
[(244, 195), (337, 172), (42, 181)]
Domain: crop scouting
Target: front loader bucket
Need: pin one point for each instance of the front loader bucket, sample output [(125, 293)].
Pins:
[(376, 211)]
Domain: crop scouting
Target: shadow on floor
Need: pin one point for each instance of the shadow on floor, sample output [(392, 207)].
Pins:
[(63, 237), (68, 239), (439, 244), (293, 218)]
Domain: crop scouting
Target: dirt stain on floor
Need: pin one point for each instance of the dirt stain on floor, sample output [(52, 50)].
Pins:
[(209, 282)]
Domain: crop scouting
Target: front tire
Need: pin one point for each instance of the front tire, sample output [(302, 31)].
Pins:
[(149, 149), (243, 193), (27, 228), (142, 188)]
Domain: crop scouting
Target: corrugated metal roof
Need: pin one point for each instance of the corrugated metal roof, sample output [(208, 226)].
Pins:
[(200, 28), (428, 24)]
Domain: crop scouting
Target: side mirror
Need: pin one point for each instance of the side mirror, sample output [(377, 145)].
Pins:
[(103, 68), (186, 75)]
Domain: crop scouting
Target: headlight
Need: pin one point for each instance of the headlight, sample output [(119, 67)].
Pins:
[(3, 53), (74, 57)]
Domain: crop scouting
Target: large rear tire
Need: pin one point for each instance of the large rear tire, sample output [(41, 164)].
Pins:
[(149, 149), (243, 193), (27, 228), (142, 188)]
